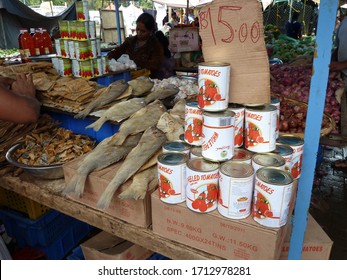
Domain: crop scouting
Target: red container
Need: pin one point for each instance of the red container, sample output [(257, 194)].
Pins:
[(38, 42), (27, 44), (47, 42)]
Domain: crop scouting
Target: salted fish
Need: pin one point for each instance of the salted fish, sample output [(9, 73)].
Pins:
[(109, 95), (139, 121), (118, 112), (171, 126), (150, 142), (140, 86), (140, 184), (102, 156), (162, 93)]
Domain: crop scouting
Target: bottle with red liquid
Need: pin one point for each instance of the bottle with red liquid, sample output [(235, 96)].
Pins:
[(26, 43), (38, 42), (47, 42)]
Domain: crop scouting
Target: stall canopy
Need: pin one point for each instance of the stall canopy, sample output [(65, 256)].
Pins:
[(15, 15), (182, 3)]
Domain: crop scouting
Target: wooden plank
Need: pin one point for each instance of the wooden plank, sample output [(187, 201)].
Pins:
[(47, 192)]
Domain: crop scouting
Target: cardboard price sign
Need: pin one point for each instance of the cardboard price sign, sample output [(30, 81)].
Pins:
[(232, 32)]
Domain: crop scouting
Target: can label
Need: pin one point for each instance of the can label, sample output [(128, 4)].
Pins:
[(235, 193), (72, 53), (271, 201), (172, 177), (73, 32), (98, 46), (64, 48), (218, 136), (287, 153), (93, 51), (64, 29), (239, 125), (57, 47), (82, 30), (82, 10), (202, 187), (260, 128), (97, 67), (76, 70), (276, 103), (213, 84), (87, 68), (92, 29), (297, 144), (65, 67), (193, 124), (104, 61), (82, 50)]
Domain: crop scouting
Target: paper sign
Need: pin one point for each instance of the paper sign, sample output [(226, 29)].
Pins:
[(232, 32), (184, 39)]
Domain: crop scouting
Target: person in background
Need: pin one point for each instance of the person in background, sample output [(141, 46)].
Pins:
[(294, 28), (167, 67), (339, 63), (18, 101), (143, 48), (174, 20), (166, 18)]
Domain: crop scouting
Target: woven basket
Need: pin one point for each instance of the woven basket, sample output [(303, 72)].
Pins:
[(324, 131)]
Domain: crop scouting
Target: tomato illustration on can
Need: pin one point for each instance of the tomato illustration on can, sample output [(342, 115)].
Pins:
[(193, 124), (214, 78)]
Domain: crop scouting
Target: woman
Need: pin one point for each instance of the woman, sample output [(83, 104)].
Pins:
[(144, 48), (18, 102)]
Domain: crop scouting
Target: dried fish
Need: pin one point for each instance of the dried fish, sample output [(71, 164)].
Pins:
[(141, 85), (150, 142), (162, 93)]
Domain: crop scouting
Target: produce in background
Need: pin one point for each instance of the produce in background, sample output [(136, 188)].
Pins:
[(287, 48), (293, 118), (294, 82)]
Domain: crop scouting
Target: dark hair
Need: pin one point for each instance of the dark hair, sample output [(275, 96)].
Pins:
[(165, 43), (148, 20)]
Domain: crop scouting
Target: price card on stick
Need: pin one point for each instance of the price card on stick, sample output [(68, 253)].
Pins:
[(232, 32)]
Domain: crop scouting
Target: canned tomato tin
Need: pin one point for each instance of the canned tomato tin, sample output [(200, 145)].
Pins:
[(64, 29), (268, 160), (287, 153), (260, 128), (76, 70), (276, 102), (82, 50), (172, 177), (242, 155), (202, 185), (272, 195), (72, 53), (82, 30), (235, 189), (239, 111), (65, 67), (87, 68), (218, 136), (64, 48), (73, 33), (92, 46), (92, 29), (97, 66), (195, 152), (213, 81), (57, 47), (297, 144), (82, 10), (176, 146), (104, 61), (193, 124)]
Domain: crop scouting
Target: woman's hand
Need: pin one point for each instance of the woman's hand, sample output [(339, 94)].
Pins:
[(24, 85)]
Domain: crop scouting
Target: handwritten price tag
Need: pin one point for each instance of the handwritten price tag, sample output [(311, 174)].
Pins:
[(232, 32)]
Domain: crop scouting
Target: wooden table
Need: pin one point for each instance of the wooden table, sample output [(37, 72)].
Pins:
[(48, 192)]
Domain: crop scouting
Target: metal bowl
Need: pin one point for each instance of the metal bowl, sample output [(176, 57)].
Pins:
[(54, 171)]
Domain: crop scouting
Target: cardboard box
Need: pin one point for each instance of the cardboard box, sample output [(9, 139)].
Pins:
[(184, 39), (137, 212), (317, 244), (217, 235), (105, 246)]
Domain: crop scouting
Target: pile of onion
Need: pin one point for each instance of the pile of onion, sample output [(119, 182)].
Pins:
[(294, 82)]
